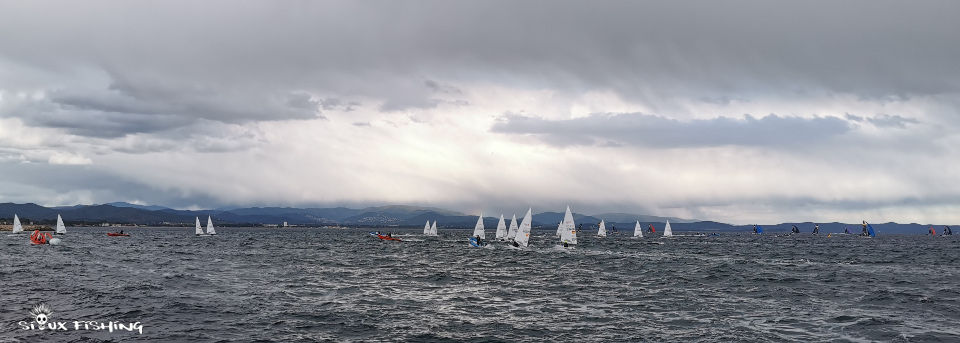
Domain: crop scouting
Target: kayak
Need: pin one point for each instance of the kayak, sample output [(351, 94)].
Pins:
[(114, 234), (473, 242)]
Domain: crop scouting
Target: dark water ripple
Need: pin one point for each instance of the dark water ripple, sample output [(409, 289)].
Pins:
[(301, 285)]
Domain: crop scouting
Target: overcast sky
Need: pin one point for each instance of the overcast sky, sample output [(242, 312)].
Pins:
[(734, 111)]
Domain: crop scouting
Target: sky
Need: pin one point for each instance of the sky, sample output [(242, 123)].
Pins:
[(733, 111)]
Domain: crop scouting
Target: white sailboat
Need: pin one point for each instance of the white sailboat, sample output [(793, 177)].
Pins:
[(199, 229), (667, 232), (61, 230), (523, 232), (426, 228), (501, 229), (17, 228), (210, 230), (512, 233), (637, 230), (568, 234), (433, 229), (603, 230), (559, 228), (478, 229)]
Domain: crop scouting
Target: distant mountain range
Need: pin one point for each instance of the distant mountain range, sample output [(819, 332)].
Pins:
[(386, 216)]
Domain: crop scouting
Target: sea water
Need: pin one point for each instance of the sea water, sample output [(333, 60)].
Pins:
[(305, 285)]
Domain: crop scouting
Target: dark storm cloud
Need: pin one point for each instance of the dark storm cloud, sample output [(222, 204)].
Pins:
[(639, 129), (384, 50)]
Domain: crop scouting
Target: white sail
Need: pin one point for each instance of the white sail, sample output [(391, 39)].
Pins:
[(523, 232), (569, 233), (501, 229), (603, 230), (478, 229), (60, 228), (637, 230), (210, 230), (199, 230), (426, 228), (433, 228), (667, 232), (16, 224), (512, 233)]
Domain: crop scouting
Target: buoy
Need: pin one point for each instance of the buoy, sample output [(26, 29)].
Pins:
[(54, 241)]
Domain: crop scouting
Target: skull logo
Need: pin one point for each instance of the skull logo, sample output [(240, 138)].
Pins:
[(41, 313)]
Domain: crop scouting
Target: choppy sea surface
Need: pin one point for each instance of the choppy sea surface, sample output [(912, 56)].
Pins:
[(306, 285)]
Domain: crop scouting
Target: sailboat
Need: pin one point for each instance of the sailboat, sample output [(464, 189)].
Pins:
[(523, 232), (846, 231), (210, 230), (816, 229), (868, 230), (17, 228), (602, 232), (559, 228), (426, 228), (501, 229), (946, 231), (757, 229), (199, 229), (931, 231), (478, 229), (638, 230), (795, 229), (568, 233), (667, 232), (61, 230), (512, 233), (651, 229), (433, 229)]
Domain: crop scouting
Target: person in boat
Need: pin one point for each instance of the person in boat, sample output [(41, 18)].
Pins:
[(515, 244), (479, 242), (121, 232)]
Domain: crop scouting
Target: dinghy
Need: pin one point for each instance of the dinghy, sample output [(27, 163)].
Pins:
[(757, 229), (946, 231), (868, 230), (602, 232), (478, 232), (638, 230), (199, 230), (816, 229), (433, 229), (61, 229), (667, 231), (426, 228), (523, 232), (501, 229), (210, 230), (512, 233), (568, 233), (17, 228)]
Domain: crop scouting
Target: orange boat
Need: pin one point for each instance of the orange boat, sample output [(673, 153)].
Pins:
[(39, 238), (117, 234), (388, 238)]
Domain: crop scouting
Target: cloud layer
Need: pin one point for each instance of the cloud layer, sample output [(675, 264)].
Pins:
[(738, 111)]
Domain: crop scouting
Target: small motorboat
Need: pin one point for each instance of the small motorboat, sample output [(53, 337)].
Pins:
[(117, 234)]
